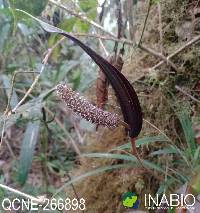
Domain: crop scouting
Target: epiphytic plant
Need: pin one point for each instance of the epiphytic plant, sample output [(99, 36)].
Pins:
[(124, 91)]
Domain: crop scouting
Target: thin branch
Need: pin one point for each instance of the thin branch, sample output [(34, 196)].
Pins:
[(7, 112), (193, 41), (169, 140), (187, 94), (81, 16), (119, 23), (45, 60), (73, 187), (179, 50), (36, 199), (160, 27), (131, 13), (113, 38), (10, 150), (129, 42), (145, 22), (119, 19), (159, 55), (12, 87), (103, 47), (3, 130), (152, 125)]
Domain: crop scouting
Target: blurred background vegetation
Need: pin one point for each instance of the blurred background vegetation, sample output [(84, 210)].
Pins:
[(47, 150)]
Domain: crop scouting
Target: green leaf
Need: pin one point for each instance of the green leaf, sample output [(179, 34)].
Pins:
[(65, 68), (155, 1), (89, 5), (123, 157), (82, 26), (27, 150), (165, 151), (76, 78), (56, 51), (6, 21), (196, 183), (164, 185), (33, 7), (92, 14), (30, 110), (196, 156), (68, 24), (188, 130), (108, 168), (133, 159), (143, 141), (7, 86)]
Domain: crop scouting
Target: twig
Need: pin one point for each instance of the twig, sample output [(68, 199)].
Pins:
[(131, 19), (152, 125), (159, 55), (102, 11), (39, 199), (119, 24), (129, 42), (145, 22), (103, 47), (81, 16), (185, 93), (160, 27), (94, 27), (10, 150), (6, 113), (3, 130), (179, 50), (194, 40), (73, 187), (113, 38), (119, 19), (32, 86), (36, 199), (169, 140), (12, 88), (47, 55)]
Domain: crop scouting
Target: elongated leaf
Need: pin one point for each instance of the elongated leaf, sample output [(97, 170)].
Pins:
[(166, 150), (125, 93), (7, 86), (133, 159), (195, 183), (30, 110), (163, 186), (134, 163), (123, 157), (34, 7), (196, 155), (143, 141), (188, 131), (27, 150), (6, 21)]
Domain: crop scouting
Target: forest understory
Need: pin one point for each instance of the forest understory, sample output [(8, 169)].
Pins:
[(47, 150)]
